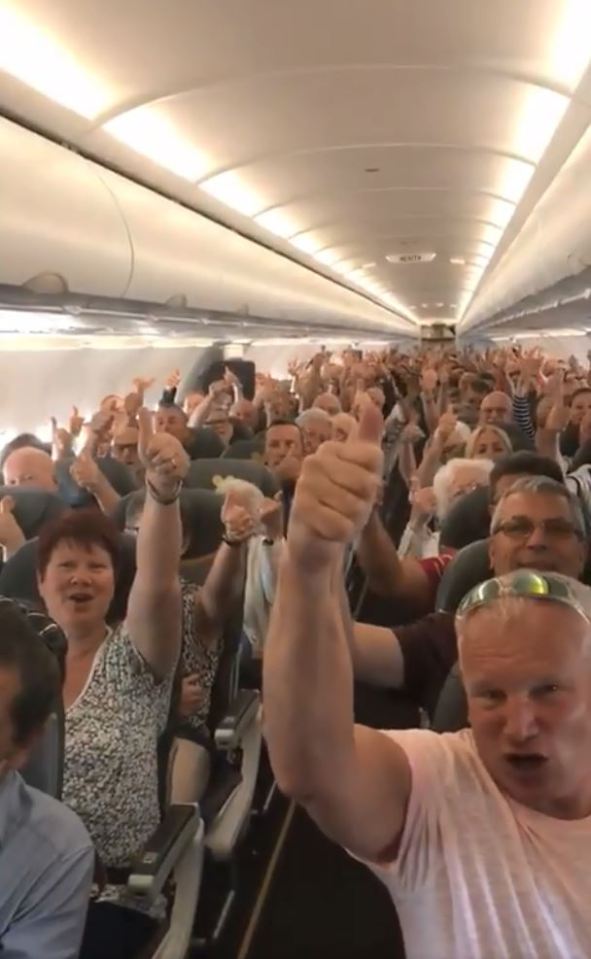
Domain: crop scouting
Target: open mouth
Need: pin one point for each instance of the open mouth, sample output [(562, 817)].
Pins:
[(525, 763), (80, 599)]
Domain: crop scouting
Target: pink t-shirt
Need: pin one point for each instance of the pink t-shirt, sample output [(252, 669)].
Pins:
[(479, 876)]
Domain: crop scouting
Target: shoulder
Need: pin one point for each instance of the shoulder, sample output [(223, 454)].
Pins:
[(53, 827), (451, 759)]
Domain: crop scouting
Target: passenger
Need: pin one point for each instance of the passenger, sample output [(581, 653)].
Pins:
[(30, 467), (452, 481), (172, 420), (130, 668), (284, 451), (327, 402), (536, 524), (316, 427), (11, 535), (521, 778), (245, 412), (205, 610), (496, 408), (219, 421), (488, 442), (46, 856)]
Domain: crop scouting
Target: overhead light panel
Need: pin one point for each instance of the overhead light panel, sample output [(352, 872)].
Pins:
[(306, 243), (328, 257), (457, 260), (26, 323), (569, 50), (32, 56), (229, 189), (278, 223), (155, 137)]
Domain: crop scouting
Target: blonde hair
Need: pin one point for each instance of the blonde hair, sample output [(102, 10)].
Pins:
[(477, 433)]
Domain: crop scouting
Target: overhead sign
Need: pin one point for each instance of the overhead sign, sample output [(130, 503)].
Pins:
[(411, 257)]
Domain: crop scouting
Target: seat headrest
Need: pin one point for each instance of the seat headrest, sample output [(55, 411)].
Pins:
[(202, 474), (33, 507), (205, 444), (468, 520), (118, 475), (468, 568), (200, 514), (451, 712), (251, 449)]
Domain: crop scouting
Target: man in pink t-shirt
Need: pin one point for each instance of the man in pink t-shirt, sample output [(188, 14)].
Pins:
[(482, 837)]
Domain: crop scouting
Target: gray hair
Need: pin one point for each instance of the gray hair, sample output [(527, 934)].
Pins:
[(544, 486), (505, 605), (313, 414), (445, 476)]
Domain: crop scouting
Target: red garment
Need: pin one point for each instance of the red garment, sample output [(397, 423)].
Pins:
[(434, 567)]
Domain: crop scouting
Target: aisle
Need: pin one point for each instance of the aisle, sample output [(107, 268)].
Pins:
[(323, 905)]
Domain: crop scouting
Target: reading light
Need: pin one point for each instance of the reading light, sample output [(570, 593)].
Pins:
[(35, 58), (152, 135)]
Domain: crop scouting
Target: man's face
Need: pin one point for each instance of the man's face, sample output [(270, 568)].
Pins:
[(171, 421), (125, 446), (219, 421), (472, 399), (527, 673), (282, 442), (496, 408), (31, 468), (535, 531), (246, 413), (315, 432), (12, 754)]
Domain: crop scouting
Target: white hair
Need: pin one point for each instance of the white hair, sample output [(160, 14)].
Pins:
[(445, 475), (313, 413)]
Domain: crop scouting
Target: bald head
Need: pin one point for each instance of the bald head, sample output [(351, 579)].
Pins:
[(30, 467), (328, 402)]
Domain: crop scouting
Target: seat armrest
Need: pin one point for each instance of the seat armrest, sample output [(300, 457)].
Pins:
[(154, 864), (240, 714)]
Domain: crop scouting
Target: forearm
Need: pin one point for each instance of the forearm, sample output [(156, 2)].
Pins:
[(407, 463), (159, 544), (548, 444), (224, 584), (105, 495), (431, 412), (429, 465), (308, 682), (379, 559), (201, 412)]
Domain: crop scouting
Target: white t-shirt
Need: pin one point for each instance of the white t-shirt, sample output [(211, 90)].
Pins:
[(479, 876)]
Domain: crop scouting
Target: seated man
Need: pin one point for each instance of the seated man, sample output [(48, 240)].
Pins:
[(536, 524), (29, 466), (46, 857), (316, 427), (496, 408), (483, 837)]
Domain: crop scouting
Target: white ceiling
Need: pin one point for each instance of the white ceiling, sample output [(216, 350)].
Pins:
[(364, 128)]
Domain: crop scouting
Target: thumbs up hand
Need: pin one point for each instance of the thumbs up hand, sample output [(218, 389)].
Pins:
[(336, 493), (162, 455), (85, 471), (239, 521)]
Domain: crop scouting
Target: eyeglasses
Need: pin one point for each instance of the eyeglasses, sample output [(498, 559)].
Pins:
[(521, 527), (525, 583)]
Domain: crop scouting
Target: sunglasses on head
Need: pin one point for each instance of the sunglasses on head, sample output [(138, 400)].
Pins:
[(528, 584)]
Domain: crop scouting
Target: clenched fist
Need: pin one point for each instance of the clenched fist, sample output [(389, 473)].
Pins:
[(335, 494), (162, 455)]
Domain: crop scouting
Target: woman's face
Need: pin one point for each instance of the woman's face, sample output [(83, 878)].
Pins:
[(579, 407), (78, 585), (489, 446)]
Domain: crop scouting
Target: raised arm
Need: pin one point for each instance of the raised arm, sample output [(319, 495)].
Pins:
[(154, 610), (353, 781), (389, 575)]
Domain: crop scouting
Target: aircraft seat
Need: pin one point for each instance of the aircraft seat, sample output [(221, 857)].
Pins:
[(118, 475), (251, 449), (33, 507), (467, 520), (202, 474), (200, 511), (469, 567)]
